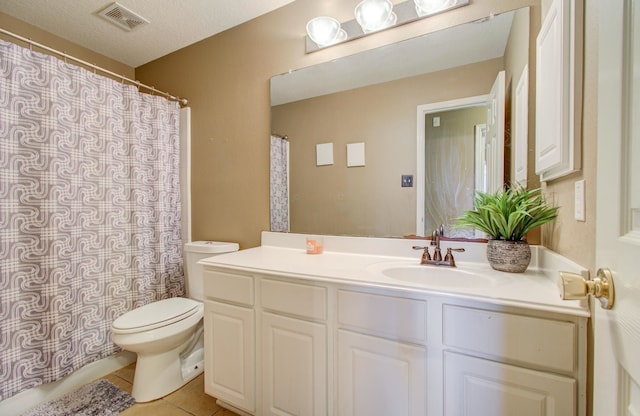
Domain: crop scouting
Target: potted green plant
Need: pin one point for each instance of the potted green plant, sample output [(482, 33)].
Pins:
[(506, 216)]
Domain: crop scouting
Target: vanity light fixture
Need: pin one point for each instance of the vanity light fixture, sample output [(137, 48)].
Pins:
[(325, 31), (372, 16), (428, 7)]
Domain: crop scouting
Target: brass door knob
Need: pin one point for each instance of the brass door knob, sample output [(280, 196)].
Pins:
[(574, 286)]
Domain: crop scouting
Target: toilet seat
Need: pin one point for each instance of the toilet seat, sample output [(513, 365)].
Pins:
[(155, 315)]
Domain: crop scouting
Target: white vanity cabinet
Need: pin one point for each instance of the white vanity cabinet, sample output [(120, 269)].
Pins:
[(283, 345), (505, 363), (381, 357), (294, 348), (230, 340), (480, 387)]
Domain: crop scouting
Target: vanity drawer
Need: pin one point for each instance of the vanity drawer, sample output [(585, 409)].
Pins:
[(536, 341), (392, 316), (296, 299), (229, 287)]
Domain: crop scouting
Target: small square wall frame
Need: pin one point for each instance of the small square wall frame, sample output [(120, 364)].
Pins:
[(324, 154), (355, 154)]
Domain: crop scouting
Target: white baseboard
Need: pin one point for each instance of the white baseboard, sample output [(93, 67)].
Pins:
[(28, 399)]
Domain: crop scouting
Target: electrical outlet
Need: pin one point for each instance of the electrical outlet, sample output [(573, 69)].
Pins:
[(407, 181)]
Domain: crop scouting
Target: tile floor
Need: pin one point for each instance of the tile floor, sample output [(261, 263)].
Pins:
[(190, 400)]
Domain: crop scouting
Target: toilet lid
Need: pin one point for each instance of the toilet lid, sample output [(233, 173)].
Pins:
[(156, 314)]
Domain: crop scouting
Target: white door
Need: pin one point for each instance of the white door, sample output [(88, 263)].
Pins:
[(494, 145), (617, 331)]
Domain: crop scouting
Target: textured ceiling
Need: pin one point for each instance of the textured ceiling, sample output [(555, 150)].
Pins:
[(174, 23)]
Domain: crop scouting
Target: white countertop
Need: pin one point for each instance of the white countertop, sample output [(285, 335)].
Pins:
[(536, 288)]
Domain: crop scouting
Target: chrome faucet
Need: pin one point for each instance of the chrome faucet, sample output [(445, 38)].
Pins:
[(437, 260)]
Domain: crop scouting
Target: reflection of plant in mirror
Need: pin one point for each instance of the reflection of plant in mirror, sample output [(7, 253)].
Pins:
[(508, 214)]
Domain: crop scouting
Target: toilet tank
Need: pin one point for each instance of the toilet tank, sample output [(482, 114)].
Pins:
[(193, 272)]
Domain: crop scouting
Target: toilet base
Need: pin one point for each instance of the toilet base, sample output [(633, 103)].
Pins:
[(193, 361), (159, 374)]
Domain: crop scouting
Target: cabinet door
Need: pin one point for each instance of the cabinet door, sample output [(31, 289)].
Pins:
[(229, 357), (479, 387), (294, 357), (379, 377), (557, 150)]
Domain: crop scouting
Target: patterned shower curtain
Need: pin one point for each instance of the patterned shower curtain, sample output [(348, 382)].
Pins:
[(279, 184), (89, 213)]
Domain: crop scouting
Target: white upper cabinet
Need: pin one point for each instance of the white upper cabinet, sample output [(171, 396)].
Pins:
[(558, 81)]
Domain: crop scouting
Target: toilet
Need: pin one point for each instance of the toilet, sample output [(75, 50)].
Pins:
[(167, 335)]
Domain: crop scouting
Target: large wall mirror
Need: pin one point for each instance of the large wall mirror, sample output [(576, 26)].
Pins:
[(436, 88)]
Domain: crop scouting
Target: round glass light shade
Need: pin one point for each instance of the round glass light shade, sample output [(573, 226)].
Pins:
[(375, 15), (325, 31), (425, 7)]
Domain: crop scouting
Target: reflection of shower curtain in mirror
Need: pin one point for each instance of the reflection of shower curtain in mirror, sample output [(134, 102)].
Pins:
[(450, 168), (279, 184)]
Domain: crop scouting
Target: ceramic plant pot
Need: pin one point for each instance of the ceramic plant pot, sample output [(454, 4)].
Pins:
[(509, 256)]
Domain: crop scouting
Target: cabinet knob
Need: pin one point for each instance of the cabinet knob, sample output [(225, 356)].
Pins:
[(574, 286)]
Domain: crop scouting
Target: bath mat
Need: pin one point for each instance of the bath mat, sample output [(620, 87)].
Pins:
[(100, 398)]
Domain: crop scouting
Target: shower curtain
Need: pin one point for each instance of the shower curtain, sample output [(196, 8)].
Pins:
[(89, 213), (279, 184)]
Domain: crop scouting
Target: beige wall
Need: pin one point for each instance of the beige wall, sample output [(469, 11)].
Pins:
[(366, 200), (45, 38), (226, 79)]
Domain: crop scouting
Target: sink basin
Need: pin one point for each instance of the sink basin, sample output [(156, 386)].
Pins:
[(433, 275)]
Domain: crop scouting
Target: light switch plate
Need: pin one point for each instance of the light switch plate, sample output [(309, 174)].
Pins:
[(578, 211)]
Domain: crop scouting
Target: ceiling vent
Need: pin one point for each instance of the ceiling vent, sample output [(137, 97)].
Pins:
[(122, 17)]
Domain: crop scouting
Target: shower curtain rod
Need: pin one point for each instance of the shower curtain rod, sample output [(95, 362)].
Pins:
[(182, 101)]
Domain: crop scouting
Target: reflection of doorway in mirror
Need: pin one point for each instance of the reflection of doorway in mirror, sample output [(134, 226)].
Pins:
[(451, 166), (481, 179), (445, 206), (481, 166)]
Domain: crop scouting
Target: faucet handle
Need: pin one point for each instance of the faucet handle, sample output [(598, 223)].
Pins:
[(449, 256), (425, 254)]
